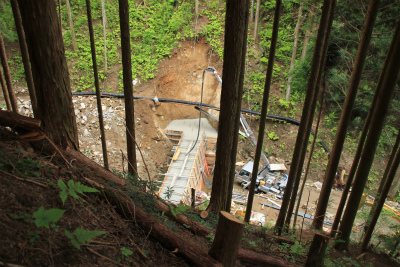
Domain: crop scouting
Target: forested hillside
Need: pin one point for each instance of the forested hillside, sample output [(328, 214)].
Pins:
[(164, 35)]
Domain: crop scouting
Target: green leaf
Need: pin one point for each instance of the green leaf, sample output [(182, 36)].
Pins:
[(126, 252), (84, 236), (80, 188), (43, 217), (71, 191)]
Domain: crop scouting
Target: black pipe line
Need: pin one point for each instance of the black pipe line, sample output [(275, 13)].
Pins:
[(274, 117)]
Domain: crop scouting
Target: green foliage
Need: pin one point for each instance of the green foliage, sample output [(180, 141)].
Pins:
[(168, 193), (180, 209), (7, 26), (73, 189), (22, 216), (81, 236), (43, 218), (28, 167), (214, 30)]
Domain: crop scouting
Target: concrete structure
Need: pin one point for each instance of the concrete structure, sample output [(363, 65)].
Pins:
[(191, 162)]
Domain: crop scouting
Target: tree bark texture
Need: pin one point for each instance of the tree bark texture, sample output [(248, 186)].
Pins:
[(294, 52), (256, 21), (231, 96), (382, 198), (264, 108), (354, 166), (6, 69), (96, 83), (50, 71), (316, 253), (24, 55), (14, 120), (308, 33), (346, 115), (71, 25), (228, 239), (308, 113), (128, 87), (386, 86), (5, 93), (383, 182)]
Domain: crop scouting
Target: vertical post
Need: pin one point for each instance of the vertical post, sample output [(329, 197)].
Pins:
[(317, 250), (193, 197)]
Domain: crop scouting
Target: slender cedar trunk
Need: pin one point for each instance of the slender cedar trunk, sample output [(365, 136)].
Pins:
[(96, 83), (382, 198), (308, 111), (321, 105), (308, 34), (382, 183), (294, 52), (251, 18), (236, 22), (386, 86), (353, 168), (11, 94), (128, 87), (256, 21), (25, 55), (346, 115), (264, 108), (395, 187), (50, 71), (4, 88), (71, 25), (196, 7), (103, 12)]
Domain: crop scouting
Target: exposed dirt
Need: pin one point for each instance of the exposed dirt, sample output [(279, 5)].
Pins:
[(180, 77)]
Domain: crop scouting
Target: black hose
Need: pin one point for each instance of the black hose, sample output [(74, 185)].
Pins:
[(275, 117)]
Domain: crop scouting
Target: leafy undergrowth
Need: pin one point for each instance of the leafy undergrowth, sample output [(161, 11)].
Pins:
[(51, 216)]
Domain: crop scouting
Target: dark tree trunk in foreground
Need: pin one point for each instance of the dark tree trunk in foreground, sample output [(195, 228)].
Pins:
[(385, 89), (50, 71), (128, 87), (96, 83), (381, 201), (231, 95), (3, 59), (24, 55), (5, 93), (264, 108), (308, 111), (346, 115)]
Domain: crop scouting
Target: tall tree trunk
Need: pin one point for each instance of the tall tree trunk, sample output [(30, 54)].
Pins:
[(25, 55), (128, 87), (11, 94), (71, 26), (256, 21), (395, 187), (197, 7), (391, 174), (5, 93), (354, 167), (96, 83), (103, 12), (346, 115), (264, 109), (383, 182), (236, 21), (251, 18), (309, 109), (386, 86), (50, 71), (294, 52), (308, 33)]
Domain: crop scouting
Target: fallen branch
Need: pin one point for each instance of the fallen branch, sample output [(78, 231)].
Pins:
[(23, 179), (262, 259), (15, 120)]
